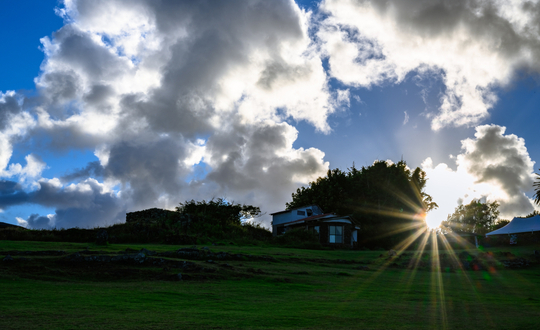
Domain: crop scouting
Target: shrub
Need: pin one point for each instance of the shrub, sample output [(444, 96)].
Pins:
[(298, 238)]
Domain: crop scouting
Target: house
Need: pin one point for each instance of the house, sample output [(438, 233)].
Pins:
[(333, 230)]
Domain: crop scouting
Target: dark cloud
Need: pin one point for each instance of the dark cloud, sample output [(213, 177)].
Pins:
[(187, 114), (84, 205), (152, 169), (78, 51), (60, 86), (279, 70), (11, 194), (102, 210), (9, 106), (92, 169), (35, 221), (99, 94)]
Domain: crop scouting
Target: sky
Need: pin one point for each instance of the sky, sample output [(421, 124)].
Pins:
[(108, 107)]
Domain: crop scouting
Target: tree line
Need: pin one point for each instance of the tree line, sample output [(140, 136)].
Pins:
[(387, 198)]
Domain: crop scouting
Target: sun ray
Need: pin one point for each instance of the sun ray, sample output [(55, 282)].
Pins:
[(437, 285), (463, 274), (468, 246), (417, 257), (402, 229), (400, 248)]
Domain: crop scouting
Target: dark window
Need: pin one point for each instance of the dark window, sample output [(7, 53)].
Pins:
[(300, 212), (335, 234), (309, 212)]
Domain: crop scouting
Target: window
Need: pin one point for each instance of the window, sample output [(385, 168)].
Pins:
[(309, 212), (336, 234), (300, 212)]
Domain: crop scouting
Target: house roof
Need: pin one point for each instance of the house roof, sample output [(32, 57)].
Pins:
[(519, 225), (314, 217), (326, 216), (296, 208)]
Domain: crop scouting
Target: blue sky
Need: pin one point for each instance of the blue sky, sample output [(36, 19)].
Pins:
[(109, 108)]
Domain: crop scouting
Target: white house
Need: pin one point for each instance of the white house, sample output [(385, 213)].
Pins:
[(333, 230)]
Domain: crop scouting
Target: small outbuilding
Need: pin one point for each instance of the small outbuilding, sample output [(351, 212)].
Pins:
[(526, 230), (518, 226), (332, 229)]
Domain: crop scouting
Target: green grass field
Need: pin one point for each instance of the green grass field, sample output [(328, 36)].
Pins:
[(301, 289)]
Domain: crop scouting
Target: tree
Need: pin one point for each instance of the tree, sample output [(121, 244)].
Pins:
[(536, 186), (385, 197), (532, 214), (475, 217), (499, 224), (216, 215)]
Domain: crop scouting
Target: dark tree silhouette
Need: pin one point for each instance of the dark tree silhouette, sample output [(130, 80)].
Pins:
[(475, 217), (387, 199), (216, 217), (536, 186), (218, 211)]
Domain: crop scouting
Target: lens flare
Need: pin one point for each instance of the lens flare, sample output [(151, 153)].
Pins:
[(432, 220)]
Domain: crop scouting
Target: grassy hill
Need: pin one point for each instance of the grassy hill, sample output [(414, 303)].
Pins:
[(145, 286)]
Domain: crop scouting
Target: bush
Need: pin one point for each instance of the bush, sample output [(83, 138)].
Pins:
[(299, 238)]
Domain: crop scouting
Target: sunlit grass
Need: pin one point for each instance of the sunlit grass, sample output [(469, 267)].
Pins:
[(437, 284), (383, 297)]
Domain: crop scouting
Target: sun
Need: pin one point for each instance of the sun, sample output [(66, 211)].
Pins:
[(433, 220)]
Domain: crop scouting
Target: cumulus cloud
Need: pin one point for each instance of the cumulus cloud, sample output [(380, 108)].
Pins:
[(493, 166), (28, 174), (183, 99), (501, 161), (14, 123), (472, 45), (9, 106), (85, 204), (35, 221), (160, 90)]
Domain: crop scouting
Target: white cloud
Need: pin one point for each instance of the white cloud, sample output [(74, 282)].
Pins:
[(28, 174), (358, 99), (14, 123), (473, 46), (406, 119), (144, 82), (493, 166)]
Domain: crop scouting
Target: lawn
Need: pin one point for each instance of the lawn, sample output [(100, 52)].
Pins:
[(303, 289)]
